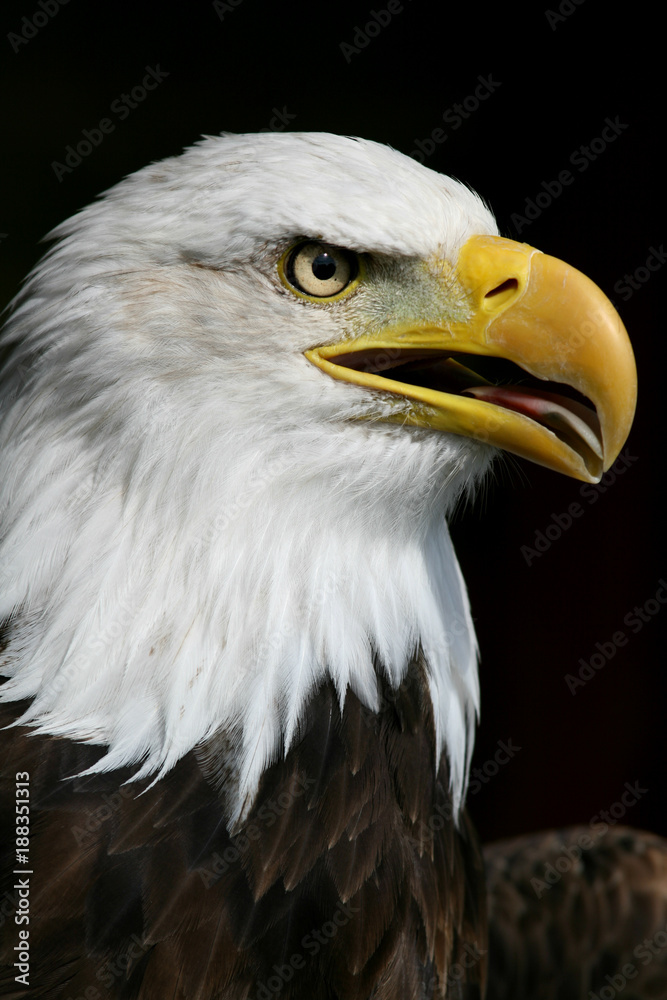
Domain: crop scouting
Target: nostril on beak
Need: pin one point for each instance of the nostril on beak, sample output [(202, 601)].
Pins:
[(510, 285)]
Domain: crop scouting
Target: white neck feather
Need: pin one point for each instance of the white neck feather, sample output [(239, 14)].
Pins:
[(164, 597)]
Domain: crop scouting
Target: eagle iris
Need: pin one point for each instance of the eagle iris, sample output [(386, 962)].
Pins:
[(319, 270)]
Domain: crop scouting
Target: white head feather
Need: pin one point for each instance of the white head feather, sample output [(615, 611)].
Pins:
[(194, 532)]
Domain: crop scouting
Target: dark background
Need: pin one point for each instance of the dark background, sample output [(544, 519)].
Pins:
[(556, 78)]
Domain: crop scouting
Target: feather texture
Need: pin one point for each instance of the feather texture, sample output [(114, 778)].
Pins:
[(578, 913), (341, 883)]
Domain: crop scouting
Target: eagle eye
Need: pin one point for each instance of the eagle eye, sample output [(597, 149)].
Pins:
[(319, 270)]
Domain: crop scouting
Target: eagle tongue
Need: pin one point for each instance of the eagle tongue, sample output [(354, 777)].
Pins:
[(548, 408)]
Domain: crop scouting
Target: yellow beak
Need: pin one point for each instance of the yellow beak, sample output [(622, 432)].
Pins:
[(531, 310)]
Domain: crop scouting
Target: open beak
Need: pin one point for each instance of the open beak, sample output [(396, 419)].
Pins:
[(539, 319)]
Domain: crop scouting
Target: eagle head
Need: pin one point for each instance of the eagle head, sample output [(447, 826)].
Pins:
[(242, 392)]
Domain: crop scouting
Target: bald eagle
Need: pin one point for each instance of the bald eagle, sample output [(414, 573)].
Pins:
[(241, 394)]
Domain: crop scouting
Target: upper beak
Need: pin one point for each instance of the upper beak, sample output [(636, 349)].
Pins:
[(529, 309)]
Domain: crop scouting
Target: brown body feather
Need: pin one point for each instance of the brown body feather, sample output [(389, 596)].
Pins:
[(348, 878), (578, 914)]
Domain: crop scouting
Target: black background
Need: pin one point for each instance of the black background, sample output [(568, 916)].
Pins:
[(556, 78)]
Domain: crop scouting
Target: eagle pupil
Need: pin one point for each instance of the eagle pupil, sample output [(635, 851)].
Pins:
[(324, 267)]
